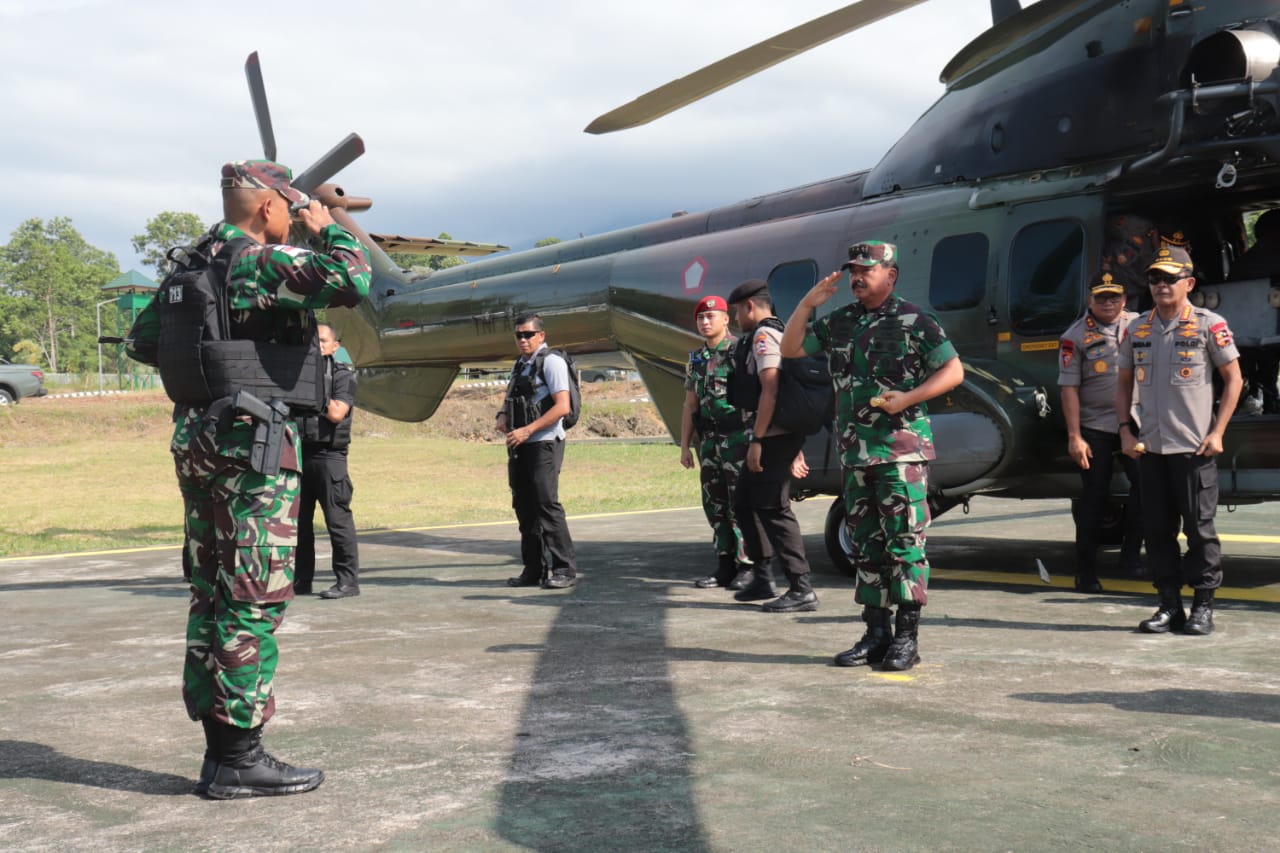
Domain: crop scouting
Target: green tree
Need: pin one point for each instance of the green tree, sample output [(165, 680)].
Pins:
[(547, 241), (415, 262), (50, 283), (164, 231)]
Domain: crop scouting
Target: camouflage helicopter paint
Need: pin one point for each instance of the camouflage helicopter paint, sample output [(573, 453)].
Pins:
[(1059, 122)]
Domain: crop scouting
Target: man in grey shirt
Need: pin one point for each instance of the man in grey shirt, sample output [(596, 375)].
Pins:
[(1170, 354), (1087, 370)]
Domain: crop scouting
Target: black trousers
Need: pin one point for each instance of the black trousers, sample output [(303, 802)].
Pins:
[(1181, 490), (762, 505), (533, 472), (325, 481), (1096, 491)]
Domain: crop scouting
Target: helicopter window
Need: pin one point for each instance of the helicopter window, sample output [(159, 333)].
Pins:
[(1045, 277), (789, 282), (958, 276)]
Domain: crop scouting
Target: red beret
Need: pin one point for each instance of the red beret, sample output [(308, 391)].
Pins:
[(711, 303)]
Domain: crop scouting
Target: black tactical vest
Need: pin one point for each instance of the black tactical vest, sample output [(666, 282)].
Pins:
[(204, 356), (319, 431)]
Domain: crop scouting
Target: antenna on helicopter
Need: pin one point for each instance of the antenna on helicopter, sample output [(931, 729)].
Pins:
[(718, 75)]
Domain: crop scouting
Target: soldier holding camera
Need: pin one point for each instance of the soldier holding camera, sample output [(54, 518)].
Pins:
[(241, 509)]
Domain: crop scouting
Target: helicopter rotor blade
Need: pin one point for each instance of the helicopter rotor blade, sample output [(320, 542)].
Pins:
[(258, 93), (338, 158), (716, 76)]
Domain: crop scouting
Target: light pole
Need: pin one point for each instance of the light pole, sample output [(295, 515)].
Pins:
[(97, 309)]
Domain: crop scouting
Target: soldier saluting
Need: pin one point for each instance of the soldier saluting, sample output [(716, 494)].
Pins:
[(887, 358), (240, 492)]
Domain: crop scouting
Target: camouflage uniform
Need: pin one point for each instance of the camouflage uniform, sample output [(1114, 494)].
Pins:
[(723, 444), (885, 457), (241, 526)]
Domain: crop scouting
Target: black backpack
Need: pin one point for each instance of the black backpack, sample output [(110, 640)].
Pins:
[(201, 356), (570, 420), (806, 399)]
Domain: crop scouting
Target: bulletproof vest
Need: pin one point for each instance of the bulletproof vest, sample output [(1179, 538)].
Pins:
[(319, 430), (519, 406), (204, 356), (744, 384)]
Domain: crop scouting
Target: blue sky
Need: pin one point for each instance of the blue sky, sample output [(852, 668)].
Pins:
[(472, 113)]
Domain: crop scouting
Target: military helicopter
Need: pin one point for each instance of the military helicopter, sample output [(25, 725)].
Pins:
[(1071, 134)]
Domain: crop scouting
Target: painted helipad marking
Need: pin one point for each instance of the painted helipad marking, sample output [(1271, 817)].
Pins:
[(891, 676), (1269, 594)]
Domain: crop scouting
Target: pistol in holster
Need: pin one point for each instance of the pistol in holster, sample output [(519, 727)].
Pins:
[(269, 420)]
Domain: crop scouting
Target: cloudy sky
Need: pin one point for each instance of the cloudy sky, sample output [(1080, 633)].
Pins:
[(472, 112)]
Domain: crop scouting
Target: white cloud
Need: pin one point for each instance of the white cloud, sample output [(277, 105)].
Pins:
[(472, 113)]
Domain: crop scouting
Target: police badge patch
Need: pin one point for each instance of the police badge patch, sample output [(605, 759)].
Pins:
[(1221, 335), (1068, 352)]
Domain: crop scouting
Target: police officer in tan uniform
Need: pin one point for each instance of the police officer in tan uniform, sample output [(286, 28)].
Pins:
[(1169, 355), (1087, 379)]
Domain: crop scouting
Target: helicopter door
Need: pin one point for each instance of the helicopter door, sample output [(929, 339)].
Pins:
[(1050, 249), (964, 290)]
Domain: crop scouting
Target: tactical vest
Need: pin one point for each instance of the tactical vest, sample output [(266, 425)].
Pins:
[(204, 356), (317, 430)]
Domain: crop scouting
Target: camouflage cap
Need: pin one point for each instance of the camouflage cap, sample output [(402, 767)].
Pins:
[(711, 303), (261, 175), (868, 253), (1103, 282), (1172, 260), (748, 289)]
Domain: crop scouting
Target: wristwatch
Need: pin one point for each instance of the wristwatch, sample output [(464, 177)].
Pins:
[(1133, 428)]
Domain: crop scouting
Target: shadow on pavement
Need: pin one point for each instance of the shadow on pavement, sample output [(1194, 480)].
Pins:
[(20, 759)]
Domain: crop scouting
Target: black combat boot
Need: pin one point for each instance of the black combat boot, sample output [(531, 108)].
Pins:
[(245, 769), (1200, 622), (1170, 615), (746, 573), (874, 643), (210, 765), (904, 651), (761, 586), (726, 570), (798, 598)]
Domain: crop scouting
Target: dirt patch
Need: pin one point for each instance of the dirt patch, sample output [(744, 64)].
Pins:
[(609, 410)]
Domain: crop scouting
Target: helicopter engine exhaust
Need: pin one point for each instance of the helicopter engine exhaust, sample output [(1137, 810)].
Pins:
[(1230, 56)]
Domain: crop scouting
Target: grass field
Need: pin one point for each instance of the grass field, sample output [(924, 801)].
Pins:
[(95, 473)]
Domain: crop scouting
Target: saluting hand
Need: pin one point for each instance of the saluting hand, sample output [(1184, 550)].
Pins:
[(822, 291)]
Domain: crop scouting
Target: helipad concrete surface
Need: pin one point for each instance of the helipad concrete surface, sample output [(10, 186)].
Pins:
[(637, 713)]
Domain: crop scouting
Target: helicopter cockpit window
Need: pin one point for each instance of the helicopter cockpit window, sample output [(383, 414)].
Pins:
[(789, 282), (1046, 277), (958, 275)]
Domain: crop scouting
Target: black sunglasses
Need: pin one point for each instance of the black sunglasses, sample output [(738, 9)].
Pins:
[(1163, 278), (524, 336)]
